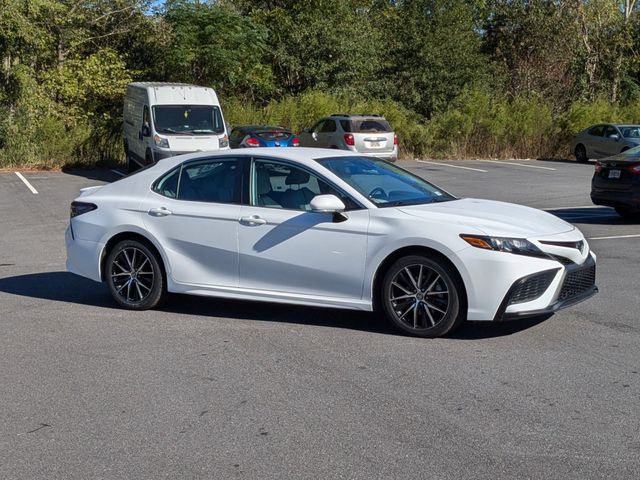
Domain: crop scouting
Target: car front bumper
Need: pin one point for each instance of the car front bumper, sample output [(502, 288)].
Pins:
[(576, 285)]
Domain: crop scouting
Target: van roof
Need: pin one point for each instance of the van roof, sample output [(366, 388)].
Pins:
[(163, 84)]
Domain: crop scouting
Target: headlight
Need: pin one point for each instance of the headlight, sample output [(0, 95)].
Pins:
[(223, 141), (519, 246), (160, 141)]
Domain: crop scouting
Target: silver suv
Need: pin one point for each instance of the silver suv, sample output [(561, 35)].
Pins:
[(366, 134)]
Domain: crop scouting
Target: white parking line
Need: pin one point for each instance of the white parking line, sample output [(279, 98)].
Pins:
[(516, 164), (26, 182), (452, 166), (614, 237), (117, 172)]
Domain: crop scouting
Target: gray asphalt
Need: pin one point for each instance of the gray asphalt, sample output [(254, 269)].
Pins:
[(208, 389)]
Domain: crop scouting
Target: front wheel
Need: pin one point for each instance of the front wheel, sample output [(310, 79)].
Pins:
[(422, 297), (581, 153), (134, 276)]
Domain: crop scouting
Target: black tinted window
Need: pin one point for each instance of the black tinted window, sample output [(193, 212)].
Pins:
[(168, 185), (597, 131), (610, 131), (346, 125), (372, 125), (210, 181), (329, 126)]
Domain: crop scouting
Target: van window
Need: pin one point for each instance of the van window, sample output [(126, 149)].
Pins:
[(188, 119)]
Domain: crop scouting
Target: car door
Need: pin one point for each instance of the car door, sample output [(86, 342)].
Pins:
[(594, 142), (311, 137), (193, 212), (327, 135), (611, 141), (286, 248)]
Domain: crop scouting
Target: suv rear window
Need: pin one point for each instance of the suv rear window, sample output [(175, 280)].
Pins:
[(366, 125)]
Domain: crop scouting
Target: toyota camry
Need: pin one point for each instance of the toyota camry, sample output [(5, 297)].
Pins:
[(324, 228)]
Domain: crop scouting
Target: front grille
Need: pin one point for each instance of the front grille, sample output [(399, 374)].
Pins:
[(532, 287), (577, 282), (562, 260)]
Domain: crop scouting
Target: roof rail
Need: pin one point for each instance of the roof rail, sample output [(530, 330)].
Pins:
[(356, 115)]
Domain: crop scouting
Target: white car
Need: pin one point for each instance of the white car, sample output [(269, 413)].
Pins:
[(324, 228)]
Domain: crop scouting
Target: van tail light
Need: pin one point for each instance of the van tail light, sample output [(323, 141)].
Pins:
[(251, 142), (598, 167), (635, 169), (295, 142), (395, 139), (349, 139), (78, 208)]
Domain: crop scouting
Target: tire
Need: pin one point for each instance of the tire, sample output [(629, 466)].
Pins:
[(628, 213), (135, 276), (422, 311), (581, 153), (132, 166)]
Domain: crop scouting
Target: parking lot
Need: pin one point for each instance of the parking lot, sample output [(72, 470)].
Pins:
[(207, 388)]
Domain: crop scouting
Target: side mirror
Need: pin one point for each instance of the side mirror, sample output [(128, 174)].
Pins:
[(146, 131), (614, 136), (329, 204), (314, 135), (326, 204)]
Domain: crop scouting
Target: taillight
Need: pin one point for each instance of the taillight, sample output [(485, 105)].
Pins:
[(295, 142), (635, 169), (252, 142), (598, 167), (395, 139), (78, 208), (349, 139)]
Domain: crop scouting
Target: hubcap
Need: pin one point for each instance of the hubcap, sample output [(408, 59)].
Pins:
[(419, 296), (132, 275)]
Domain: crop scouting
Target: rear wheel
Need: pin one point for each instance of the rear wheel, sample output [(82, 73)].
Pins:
[(581, 153), (134, 276), (628, 213), (422, 297)]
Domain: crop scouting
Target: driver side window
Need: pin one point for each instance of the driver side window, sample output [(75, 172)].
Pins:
[(279, 185)]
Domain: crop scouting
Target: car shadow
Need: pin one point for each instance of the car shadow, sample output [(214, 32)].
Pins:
[(99, 174), (565, 160), (592, 216), (70, 288)]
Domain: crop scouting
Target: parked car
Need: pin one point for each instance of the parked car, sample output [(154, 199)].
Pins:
[(262, 136), (166, 119), (367, 134), (605, 140), (616, 183), (324, 228)]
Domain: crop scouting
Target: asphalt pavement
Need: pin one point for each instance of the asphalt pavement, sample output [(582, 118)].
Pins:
[(214, 389)]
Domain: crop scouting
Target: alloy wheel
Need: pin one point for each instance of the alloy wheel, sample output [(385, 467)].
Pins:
[(419, 297), (132, 275)]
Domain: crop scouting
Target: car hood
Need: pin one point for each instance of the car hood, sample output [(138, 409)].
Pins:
[(497, 219)]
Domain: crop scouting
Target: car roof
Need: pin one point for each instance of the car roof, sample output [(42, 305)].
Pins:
[(255, 128), (302, 155)]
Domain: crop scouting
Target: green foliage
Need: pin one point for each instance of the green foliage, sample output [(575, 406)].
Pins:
[(496, 78)]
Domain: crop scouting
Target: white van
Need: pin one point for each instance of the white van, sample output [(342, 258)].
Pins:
[(166, 119)]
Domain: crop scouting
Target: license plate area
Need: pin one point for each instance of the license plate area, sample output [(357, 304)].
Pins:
[(614, 173)]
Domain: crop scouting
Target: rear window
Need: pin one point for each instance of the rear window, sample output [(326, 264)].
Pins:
[(273, 134), (367, 125)]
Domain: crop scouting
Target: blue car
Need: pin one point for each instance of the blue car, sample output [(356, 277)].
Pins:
[(262, 136)]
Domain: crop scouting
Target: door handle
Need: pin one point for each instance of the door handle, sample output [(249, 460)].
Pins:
[(160, 212), (252, 221)]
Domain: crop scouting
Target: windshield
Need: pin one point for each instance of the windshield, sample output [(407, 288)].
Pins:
[(383, 183), (630, 131), (188, 119)]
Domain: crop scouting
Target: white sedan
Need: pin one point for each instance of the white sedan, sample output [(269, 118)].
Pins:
[(324, 228)]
